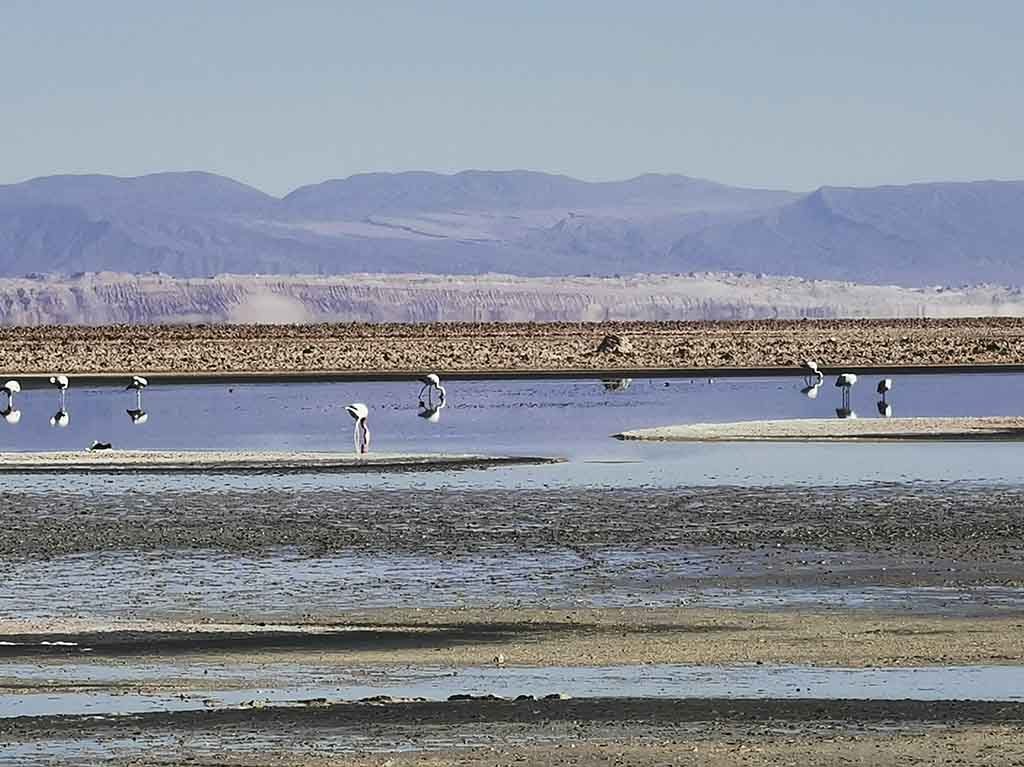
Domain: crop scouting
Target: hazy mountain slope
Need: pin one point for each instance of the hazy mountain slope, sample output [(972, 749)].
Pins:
[(199, 224), (195, 224), (376, 193), (919, 234), (189, 193)]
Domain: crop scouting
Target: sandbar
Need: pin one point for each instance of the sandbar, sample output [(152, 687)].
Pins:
[(837, 429), (539, 637), (220, 461)]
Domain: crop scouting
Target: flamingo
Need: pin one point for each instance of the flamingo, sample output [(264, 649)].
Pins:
[(61, 382), (617, 384), (845, 381), (885, 385), (431, 382), (361, 434), (137, 414), (810, 368), (9, 414)]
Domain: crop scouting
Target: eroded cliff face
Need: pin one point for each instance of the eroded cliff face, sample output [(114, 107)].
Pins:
[(106, 298)]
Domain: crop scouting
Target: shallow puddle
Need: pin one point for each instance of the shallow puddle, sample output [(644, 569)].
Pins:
[(326, 685)]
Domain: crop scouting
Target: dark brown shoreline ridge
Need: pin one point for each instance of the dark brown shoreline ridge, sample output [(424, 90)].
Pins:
[(492, 348)]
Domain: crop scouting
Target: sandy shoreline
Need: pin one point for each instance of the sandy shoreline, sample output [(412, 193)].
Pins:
[(502, 348), (213, 461), (836, 429)]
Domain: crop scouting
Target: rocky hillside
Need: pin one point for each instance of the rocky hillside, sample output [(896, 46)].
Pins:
[(99, 299)]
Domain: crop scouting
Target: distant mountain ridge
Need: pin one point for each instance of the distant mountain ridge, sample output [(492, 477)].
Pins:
[(196, 224), (942, 233)]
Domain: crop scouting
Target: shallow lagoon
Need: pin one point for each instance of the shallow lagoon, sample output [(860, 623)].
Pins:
[(573, 419)]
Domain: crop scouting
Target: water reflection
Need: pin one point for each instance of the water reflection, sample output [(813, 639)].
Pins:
[(617, 384), (431, 414), (811, 390), (60, 419)]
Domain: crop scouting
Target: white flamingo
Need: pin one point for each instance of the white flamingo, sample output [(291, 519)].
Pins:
[(431, 383), (61, 382), (9, 414), (361, 434), (845, 381), (137, 414), (61, 418), (810, 368)]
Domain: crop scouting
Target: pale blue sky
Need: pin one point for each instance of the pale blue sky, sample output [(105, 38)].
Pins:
[(276, 94)]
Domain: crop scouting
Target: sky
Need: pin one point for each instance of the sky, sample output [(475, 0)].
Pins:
[(765, 93)]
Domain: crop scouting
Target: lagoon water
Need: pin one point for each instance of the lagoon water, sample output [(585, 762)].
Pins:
[(573, 419)]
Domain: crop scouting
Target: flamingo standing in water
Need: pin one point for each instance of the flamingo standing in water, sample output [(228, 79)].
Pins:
[(884, 408), (361, 434), (810, 368), (9, 413), (885, 385), (431, 383), (61, 418), (845, 381), (137, 414)]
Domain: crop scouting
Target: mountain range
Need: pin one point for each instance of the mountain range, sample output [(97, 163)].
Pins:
[(196, 224)]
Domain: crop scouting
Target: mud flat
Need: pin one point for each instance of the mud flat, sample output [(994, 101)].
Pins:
[(503, 348), (220, 462), (587, 731), (535, 637), (836, 429)]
